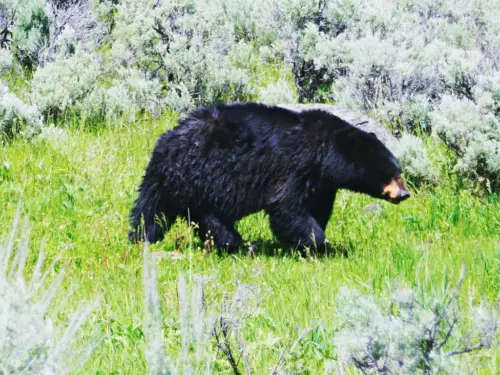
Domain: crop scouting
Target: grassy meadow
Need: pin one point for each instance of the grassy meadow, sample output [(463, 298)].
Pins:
[(77, 189)]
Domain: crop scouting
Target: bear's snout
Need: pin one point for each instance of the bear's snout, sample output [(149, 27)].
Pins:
[(395, 191)]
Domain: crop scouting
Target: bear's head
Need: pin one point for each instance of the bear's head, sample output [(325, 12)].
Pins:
[(371, 168)]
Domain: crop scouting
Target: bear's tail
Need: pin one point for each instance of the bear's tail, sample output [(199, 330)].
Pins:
[(148, 217)]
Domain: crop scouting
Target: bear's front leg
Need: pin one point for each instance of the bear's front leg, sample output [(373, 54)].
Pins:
[(321, 208), (224, 234), (294, 225)]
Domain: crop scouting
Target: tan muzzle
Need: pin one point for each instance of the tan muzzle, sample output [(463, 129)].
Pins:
[(395, 191)]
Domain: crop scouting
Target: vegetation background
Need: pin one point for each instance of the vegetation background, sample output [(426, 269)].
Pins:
[(88, 86)]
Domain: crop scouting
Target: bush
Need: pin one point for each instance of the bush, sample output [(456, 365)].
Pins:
[(415, 336), (6, 60), (195, 325), (182, 44), (200, 322), (73, 24), (17, 117), (277, 93), (29, 30), (403, 48), (68, 83), (131, 93), (397, 59), (473, 132), (38, 31), (161, 53), (413, 158), (31, 342)]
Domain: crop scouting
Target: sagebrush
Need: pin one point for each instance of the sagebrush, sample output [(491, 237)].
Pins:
[(424, 67)]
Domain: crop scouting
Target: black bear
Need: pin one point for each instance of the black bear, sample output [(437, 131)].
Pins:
[(227, 161)]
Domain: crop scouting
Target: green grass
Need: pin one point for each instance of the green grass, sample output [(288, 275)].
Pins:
[(77, 194)]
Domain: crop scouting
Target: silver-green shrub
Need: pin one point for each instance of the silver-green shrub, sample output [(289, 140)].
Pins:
[(73, 24), (413, 335), (68, 83), (196, 354), (184, 44), (31, 341), (277, 93), (205, 328), (391, 50), (396, 59), (473, 131), (17, 117), (41, 30), (161, 53), (6, 60), (399, 59), (131, 93), (29, 28), (413, 158)]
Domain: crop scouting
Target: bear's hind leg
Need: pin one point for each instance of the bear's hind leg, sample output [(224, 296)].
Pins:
[(152, 214), (297, 227), (224, 234)]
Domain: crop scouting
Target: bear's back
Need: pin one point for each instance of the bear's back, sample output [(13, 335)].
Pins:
[(240, 123)]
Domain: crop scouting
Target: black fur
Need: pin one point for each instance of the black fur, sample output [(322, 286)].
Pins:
[(228, 161)]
